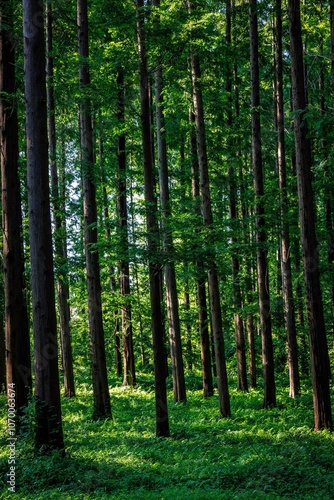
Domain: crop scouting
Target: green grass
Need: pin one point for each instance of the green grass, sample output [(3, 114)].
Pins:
[(255, 454)]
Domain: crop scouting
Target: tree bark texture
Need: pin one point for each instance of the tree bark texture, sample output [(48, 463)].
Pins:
[(162, 421), (18, 363), (124, 268), (237, 296), (261, 239), (316, 325), (203, 322), (179, 386), (59, 222), (49, 433), (102, 405), (289, 308), (214, 294)]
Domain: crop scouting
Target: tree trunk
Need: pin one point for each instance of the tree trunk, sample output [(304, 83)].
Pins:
[(128, 354), (237, 296), (162, 422), (285, 234), (18, 363), (113, 287), (102, 406), (214, 294), (59, 222), (49, 432), (179, 387), (316, 325), (203, 322), (261, 239)]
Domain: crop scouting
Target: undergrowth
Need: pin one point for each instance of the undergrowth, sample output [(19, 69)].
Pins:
[(255, 454)]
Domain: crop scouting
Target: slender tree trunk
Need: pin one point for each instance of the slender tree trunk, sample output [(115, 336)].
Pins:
[(203, 321), (179, 387), (102, 406), (18, 364), (237, 296), (49, 432), (214, 294), (162, 422), (285, 234), (316, 325), (128, 354), (186, 303), (112, 279), (261, 253), (59, 222)]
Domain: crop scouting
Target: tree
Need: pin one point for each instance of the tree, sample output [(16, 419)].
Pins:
[(167, 237), (285, 233), (261, 252), (162, 421), (214, 294), (18, 364), (49, 432), (237, 297), (128, 354), (315, 316), (203, 321), (102, 405), (58, 198)]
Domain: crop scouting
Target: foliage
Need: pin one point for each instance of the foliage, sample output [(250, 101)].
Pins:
[(256, 453)]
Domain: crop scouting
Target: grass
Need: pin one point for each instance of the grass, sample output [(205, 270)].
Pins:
[(255, 454)]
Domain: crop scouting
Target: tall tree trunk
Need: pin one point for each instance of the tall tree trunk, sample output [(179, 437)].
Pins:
[(261, 253), (203, 321), (285, 234), (162, 422), (237, 296), (214, 294), (49, 432), (102, 406), (59, 222), (315, 316), (179, 386), (128, 354), (113, 286), (18, 364)]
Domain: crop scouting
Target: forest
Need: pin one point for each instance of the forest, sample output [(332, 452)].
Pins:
[(167, 284)]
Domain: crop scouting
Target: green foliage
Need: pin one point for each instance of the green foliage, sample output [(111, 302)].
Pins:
[(256, 453)]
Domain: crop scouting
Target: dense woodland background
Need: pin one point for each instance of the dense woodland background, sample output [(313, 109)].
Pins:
[(167, 209)]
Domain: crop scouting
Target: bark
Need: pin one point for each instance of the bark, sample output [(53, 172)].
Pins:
[(49, 433), (203, 323), (18, 364), (316, 325), (59, 222), (162, 422), (186, 303), (237, 296), (113, 286), (179, 387), (127, 337), (102, 406), (289, 308), (261, 239), (214, 293)]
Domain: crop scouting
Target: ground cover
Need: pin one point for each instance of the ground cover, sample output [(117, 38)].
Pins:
[(254, 454)]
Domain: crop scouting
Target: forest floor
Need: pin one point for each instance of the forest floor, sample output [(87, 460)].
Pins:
[(256, 454)]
